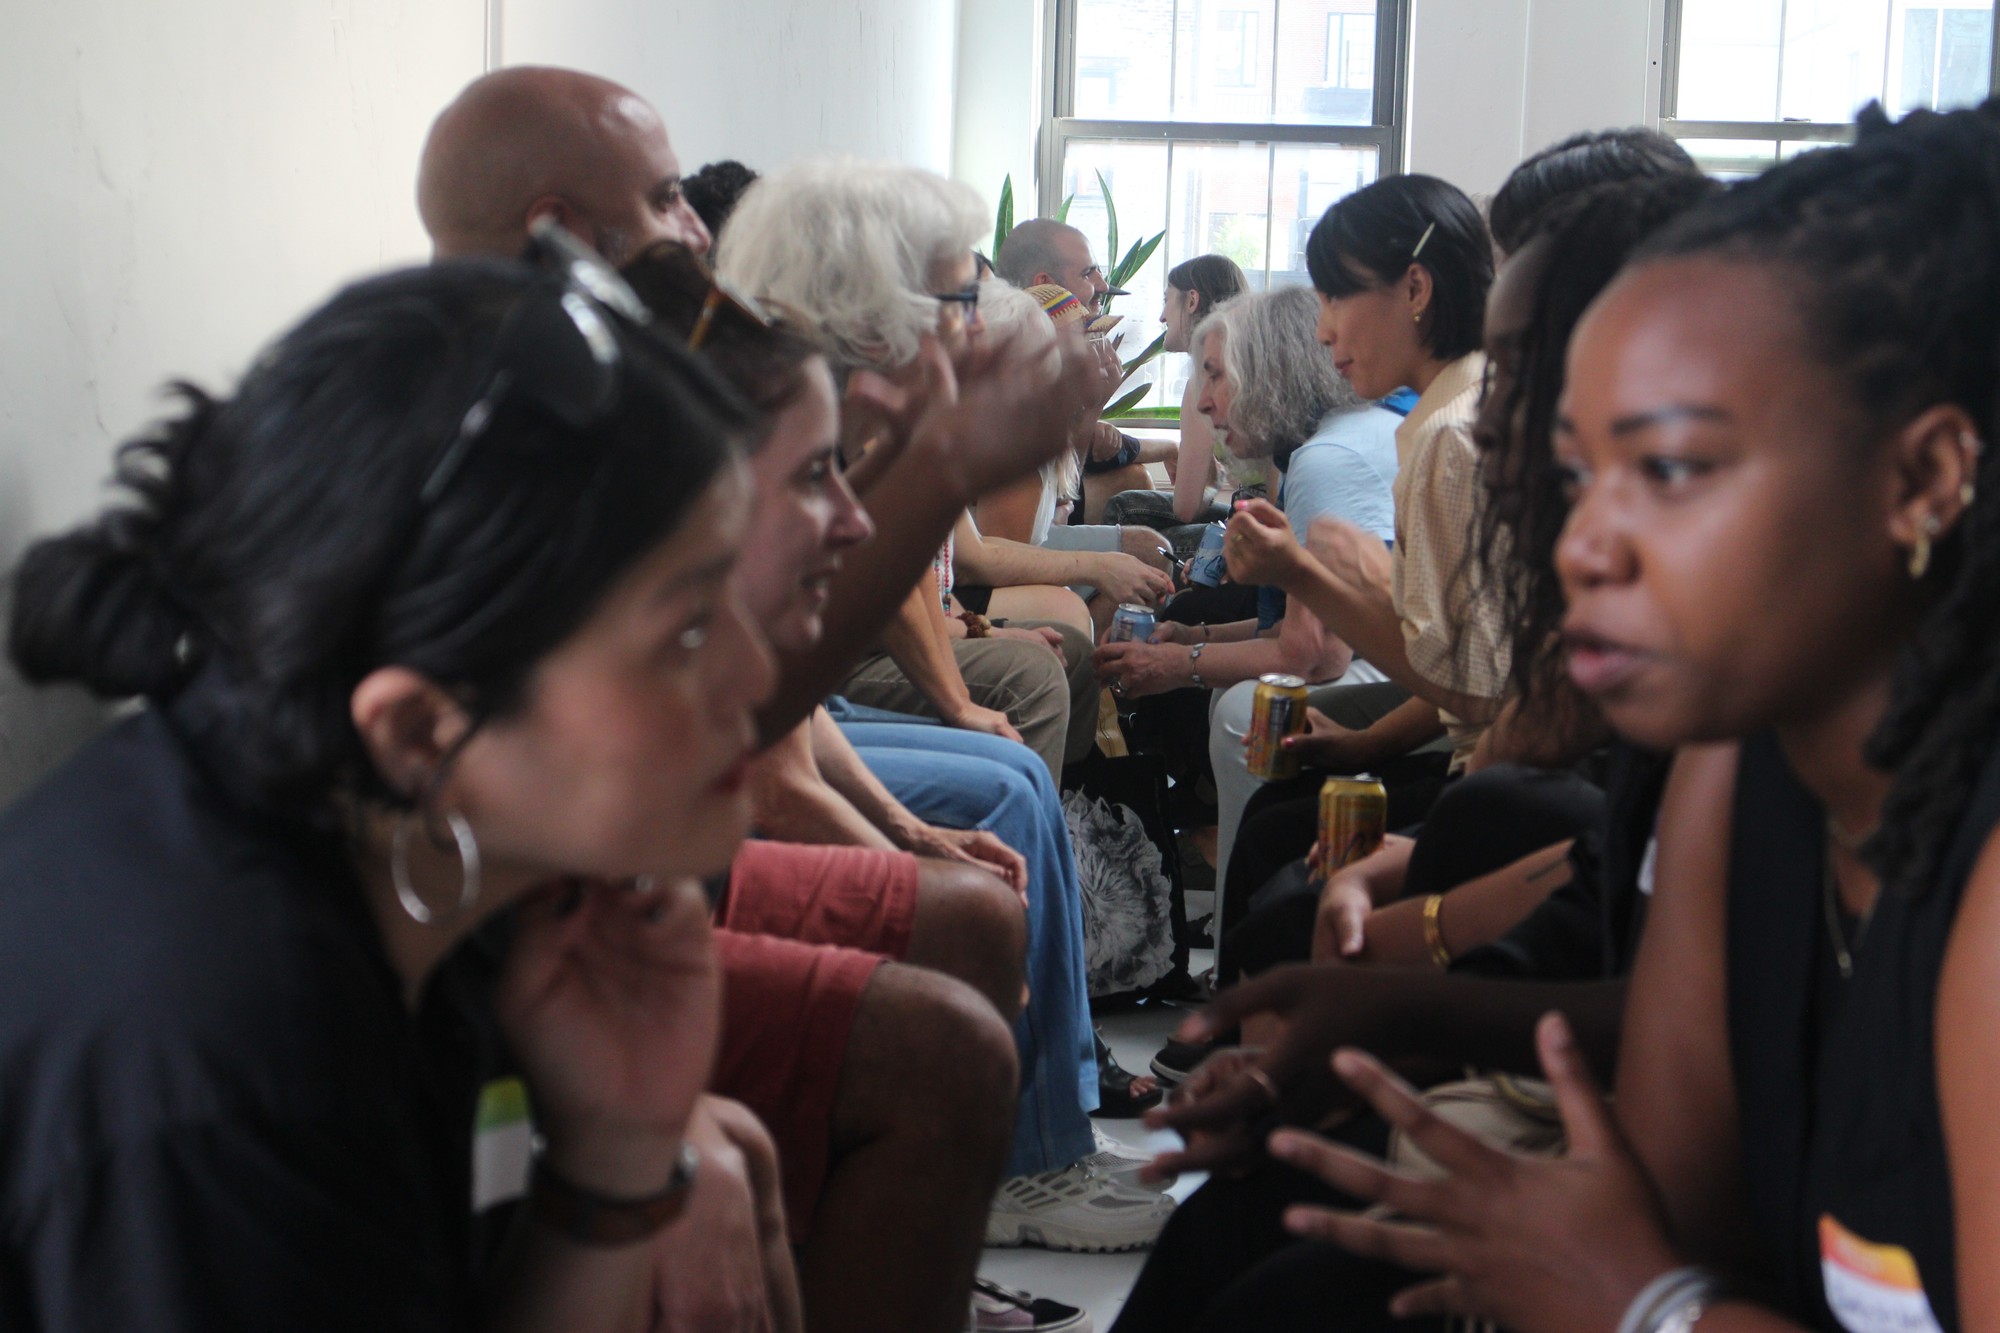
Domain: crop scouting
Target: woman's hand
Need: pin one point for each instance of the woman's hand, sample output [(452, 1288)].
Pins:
[(1355, 558), (1166, 631), (610, 1001), (973, 847), (1136, 669), (1340, 927), (1127, 580), (726, 1265), (1328, 745), (1319, 1008), (1260, 547), (989, 721), (1549, 1244), (1001, 413)]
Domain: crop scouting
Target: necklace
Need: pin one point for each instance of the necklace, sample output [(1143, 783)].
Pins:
[(1843, 951)]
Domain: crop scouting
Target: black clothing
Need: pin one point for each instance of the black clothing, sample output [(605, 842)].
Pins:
[(216, 1111), (1476, 825), (1838, 1102), (1225, 1262)]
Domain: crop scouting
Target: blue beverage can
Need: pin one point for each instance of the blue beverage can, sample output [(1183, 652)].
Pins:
[(1208, 565), (1132, 623)]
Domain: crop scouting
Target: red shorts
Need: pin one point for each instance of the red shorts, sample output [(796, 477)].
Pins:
[(802, 930)]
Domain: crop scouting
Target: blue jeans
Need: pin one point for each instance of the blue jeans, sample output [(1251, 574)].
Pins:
[(962, 779)]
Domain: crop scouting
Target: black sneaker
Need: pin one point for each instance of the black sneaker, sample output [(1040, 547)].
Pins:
[(998, 1309), (1178, 1059)]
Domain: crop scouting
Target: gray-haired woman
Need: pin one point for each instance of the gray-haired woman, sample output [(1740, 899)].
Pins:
[(1271, 391)]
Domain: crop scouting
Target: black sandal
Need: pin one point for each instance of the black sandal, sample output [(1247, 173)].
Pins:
[(1115, 1098)]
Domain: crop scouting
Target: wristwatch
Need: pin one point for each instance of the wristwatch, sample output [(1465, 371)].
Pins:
[(1194, 665), (603, 1220)]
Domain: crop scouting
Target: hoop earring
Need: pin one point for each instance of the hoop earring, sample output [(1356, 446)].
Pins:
[(413, 903), (1920, 554)]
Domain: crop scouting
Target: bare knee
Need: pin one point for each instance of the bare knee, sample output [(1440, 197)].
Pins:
[(971, 925), (928, 1057)]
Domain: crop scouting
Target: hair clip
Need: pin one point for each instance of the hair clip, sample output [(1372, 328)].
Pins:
[(1422, 241)]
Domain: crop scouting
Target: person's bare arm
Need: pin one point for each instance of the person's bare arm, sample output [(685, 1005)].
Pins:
[(1304, 650), (1326, 744), (1968, 1060), (1475, 913), (1676, 1096), (792, 800), (1195, 470), (1234, 631), (997, 563)]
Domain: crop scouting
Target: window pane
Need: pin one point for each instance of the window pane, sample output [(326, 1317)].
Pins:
[(1835, 57), (1224, 66), (1124, 59), (1729, 60), (1253, 202), (1299, 62), (1326, 62)]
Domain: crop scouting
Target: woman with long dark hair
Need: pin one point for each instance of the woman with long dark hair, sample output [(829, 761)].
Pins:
[(1780, 558), (433, 622)]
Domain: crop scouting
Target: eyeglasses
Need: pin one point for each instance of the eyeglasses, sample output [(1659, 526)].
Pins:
[(556, 348), (723, 297), (962, 305)]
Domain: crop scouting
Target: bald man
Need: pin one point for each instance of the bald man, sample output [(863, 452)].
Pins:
[(1043, 250), (530, 142)]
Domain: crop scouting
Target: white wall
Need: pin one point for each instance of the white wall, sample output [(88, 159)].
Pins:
[(764, 81), (179, 182), (998, 98)]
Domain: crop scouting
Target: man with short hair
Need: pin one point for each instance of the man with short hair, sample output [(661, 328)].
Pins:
[(1043, 250)]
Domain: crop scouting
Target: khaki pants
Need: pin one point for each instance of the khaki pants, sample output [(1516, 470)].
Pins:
[(1053, 704)]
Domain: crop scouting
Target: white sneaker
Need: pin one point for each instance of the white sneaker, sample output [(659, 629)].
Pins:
[(1076, 1209), (1122, 1163)]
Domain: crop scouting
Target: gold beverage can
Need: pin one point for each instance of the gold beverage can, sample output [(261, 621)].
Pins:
[(1353, 817), (1277, 711)]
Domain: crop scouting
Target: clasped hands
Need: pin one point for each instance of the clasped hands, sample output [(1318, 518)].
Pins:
[(1559, 1244)]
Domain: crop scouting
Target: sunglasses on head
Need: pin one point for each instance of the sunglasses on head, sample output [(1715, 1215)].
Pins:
[(556, 350)]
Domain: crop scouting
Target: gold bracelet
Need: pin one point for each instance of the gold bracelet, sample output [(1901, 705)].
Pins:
[(1434, 931)]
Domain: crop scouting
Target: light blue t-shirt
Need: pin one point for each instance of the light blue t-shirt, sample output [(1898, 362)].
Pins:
[(1347, 469)]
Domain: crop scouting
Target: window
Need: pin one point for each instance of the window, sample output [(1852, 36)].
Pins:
[(1748, 82), (1231, 125)]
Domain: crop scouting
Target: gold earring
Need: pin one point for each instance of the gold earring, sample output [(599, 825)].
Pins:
[(1920, 554)]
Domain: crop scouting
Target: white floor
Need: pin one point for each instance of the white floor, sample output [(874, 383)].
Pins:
[(1098, 1282)]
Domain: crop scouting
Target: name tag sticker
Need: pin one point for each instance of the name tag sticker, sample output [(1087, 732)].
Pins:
[(1871, 1288), (503, 1144)]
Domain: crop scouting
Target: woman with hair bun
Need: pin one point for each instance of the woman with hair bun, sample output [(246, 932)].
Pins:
[(1780, 558), (433, 622)]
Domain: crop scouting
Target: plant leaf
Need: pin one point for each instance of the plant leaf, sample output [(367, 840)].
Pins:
[(1135, 259), (1062, 214), (1129, 401), (1153, 349), (1003, 221), (1110, 217)]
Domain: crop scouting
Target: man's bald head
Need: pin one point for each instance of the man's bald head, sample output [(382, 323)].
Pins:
[(528, 141), (1043, 250)]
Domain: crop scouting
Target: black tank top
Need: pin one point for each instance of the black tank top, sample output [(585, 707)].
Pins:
[(1836, 1080)]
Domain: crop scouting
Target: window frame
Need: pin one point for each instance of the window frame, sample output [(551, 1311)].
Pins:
[(1777, 132), (1061, 126)]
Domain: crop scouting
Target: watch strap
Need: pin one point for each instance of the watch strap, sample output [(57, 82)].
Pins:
[(605, 1220)]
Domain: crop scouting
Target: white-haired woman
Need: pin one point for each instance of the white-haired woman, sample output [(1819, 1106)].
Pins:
[(1271, 391), (879, 258)]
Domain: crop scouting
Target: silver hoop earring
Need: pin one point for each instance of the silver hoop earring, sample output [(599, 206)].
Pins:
[(413, 903)]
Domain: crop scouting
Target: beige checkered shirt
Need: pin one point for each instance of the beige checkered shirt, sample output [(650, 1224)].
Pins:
[(1452, 622)]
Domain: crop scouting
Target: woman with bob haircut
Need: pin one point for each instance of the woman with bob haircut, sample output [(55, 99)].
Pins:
[(1402, 268), (433, 623), (1803, 1135)]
